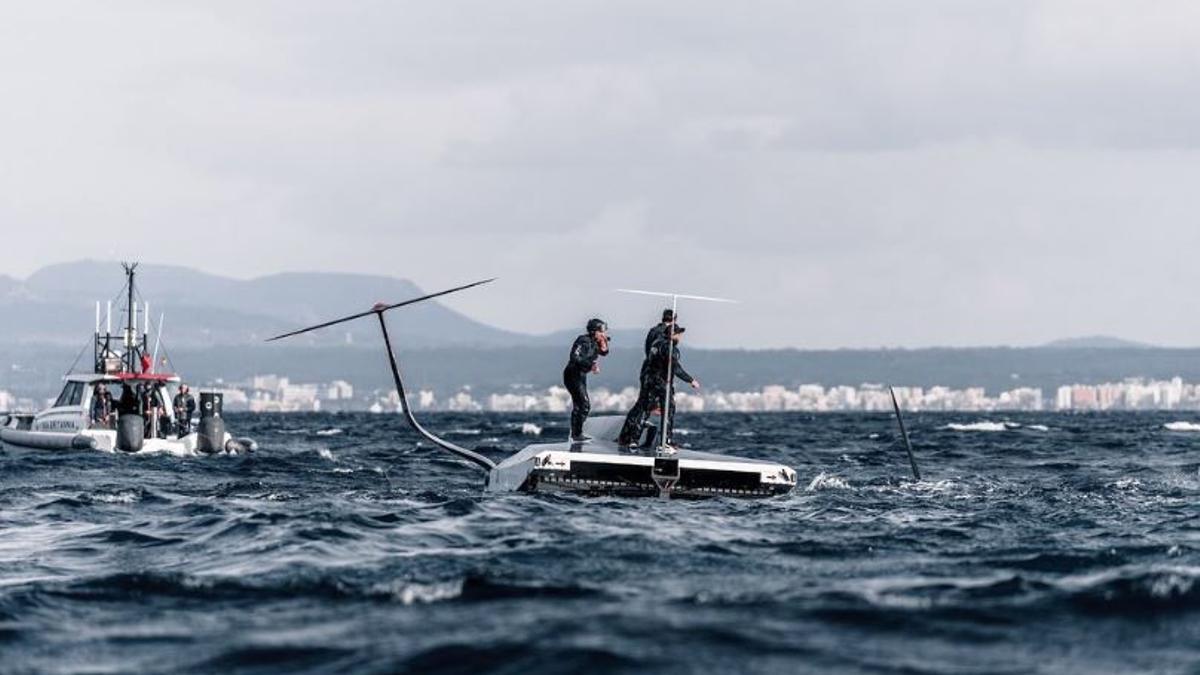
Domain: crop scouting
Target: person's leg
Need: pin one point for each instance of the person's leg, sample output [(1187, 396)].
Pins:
[(580, 405), (631, 431), (583, 407)]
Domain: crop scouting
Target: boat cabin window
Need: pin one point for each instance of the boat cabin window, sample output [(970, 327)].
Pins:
[(72, 394)]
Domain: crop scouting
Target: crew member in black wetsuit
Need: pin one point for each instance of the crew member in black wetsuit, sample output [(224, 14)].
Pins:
[(654, 387), (584, 359), (632, 430), (659, 330)]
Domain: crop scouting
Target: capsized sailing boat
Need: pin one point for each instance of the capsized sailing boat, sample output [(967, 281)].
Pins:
[(598, 466)]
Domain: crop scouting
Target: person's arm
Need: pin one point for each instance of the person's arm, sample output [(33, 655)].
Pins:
[(681, 373)]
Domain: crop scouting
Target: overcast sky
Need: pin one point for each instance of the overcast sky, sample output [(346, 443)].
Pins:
[(933, 172)]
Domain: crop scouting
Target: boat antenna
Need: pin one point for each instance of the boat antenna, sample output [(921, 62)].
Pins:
[(904, 433), (130, 270), (378, 310), (675, 297), (157, 342)]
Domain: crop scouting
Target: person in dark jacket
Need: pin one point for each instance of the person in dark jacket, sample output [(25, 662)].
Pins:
[(584, 359), (102, 407), (655, 391), (184, 405), (659, 330)]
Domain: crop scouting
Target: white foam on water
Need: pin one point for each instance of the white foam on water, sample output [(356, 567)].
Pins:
[(1181, 426), (324, 453), (412, 594), (1127, 484), (465, 432), (331, 432), (981, 426), (827, 481), (123, 497), (531, 429), (1038, 427)]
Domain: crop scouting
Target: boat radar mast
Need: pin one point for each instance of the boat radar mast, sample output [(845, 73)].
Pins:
[(125, 353)]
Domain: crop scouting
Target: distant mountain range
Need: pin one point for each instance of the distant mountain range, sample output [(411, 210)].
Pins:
[(56, 305), (1096, 342), (215, 327)]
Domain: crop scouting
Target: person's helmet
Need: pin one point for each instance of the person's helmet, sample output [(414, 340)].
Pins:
[(596, 325)]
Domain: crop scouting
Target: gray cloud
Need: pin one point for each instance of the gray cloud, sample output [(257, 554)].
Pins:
[(858, 173)]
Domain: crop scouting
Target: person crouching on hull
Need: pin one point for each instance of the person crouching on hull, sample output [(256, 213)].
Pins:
[(584, 359), (655, 390)]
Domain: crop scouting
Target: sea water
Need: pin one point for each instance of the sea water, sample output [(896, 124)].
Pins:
[(1036, 543)]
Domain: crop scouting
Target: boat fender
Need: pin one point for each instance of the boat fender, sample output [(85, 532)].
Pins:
[(211, 430), (81, 442), (131, 432)]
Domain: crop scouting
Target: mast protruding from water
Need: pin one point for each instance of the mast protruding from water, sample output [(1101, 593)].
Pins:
[(378, 310)]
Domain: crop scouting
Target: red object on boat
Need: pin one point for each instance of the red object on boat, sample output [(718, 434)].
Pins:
[(144, 377)]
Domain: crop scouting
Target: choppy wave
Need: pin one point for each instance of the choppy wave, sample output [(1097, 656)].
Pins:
[(825, 481), (367, 551), (981, 426)]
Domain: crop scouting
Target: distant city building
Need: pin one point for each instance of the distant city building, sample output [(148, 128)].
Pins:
[(272, 393)]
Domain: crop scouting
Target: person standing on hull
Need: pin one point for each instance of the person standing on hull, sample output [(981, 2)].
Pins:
[(584, 359), (632, 429), (655, 390), (659, 331)]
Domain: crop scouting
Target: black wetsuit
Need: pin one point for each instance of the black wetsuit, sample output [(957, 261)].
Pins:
[(584, 355), (654, 389), (632, 428), (653, 336)]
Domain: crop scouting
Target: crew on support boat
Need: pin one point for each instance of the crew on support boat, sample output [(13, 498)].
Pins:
[(584, 359), (185, 406), (102, 407)]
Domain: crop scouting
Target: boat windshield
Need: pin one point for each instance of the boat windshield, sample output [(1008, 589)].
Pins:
[(72, 394)]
